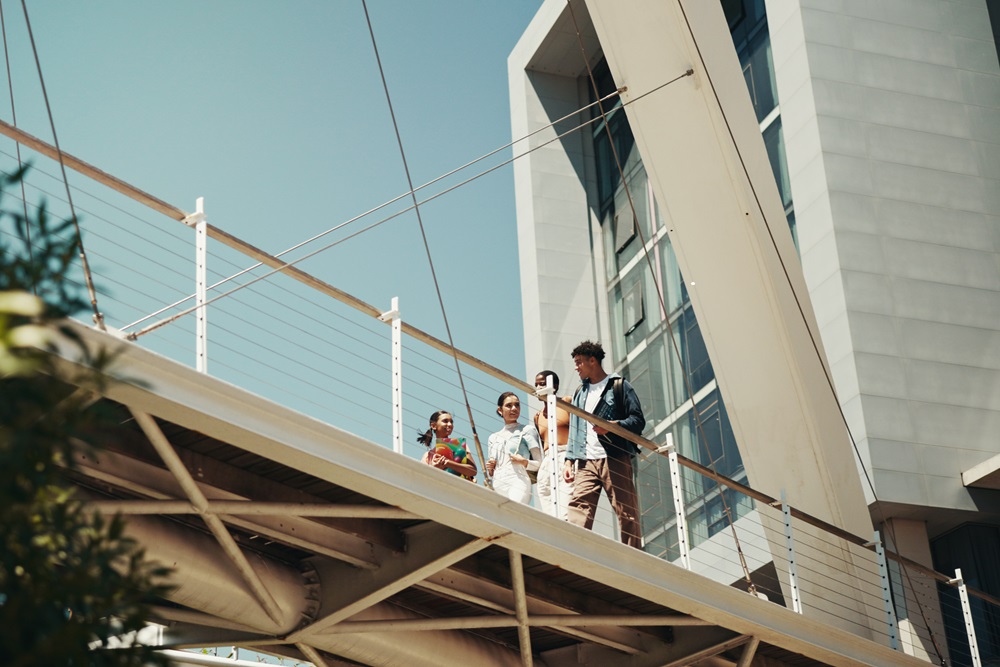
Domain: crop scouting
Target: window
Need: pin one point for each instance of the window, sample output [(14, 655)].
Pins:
[(976, 550), (624, 230), (633, 309), (774, 141), (758, 70)]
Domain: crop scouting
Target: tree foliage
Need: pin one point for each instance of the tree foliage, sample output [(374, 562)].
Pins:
[(71, 584)]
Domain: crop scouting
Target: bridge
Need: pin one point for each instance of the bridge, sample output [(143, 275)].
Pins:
[(299, 522)]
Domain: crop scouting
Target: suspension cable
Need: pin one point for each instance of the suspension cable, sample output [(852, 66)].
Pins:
[(88, 278), (696, 413), (383, 205), (290, 264), (17, 145), (427, 247)]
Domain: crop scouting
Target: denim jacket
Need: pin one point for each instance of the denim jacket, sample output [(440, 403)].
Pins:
[(629, 417)]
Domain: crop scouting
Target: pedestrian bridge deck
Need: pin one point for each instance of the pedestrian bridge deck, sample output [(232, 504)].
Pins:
[(294, 536)]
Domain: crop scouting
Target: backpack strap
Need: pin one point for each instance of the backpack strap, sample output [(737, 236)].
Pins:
[(618, 387)]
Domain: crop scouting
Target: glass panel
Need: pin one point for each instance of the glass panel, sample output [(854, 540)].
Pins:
[(758, 70), (673, 283), (606, 180), (699, 367), (617, 333), (976, 550), (633, 309), (624, 229), (733, 10), (610, 251), (647, 373), (713, 444), (774, 141), (630, 324), (792, 229), (605, 86), (625, 249)]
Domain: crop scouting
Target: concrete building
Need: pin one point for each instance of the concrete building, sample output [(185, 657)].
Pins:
[(881, 125)]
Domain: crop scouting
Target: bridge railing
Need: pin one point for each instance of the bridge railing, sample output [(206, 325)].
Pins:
[(288, 335)]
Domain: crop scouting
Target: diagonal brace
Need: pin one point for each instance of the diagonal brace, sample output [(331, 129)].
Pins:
[(431, 548), (200, 502)]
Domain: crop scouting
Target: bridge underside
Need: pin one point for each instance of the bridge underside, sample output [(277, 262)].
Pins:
[(294, 537)]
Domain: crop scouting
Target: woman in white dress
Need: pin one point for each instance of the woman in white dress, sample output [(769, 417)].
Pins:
[(513, 451)]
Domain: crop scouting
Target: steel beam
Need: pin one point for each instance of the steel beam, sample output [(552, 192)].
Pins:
[(314, 657), (250, 508), (709, 651), (520, 604), (748, 652), (506, 621), (146, 479), (494, 596), (432, 548), (198, 499)]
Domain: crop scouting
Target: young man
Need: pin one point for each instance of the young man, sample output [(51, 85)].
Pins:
[(597, 459), (562, 488)]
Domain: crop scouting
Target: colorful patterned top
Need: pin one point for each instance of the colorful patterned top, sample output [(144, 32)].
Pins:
[(453, 449)]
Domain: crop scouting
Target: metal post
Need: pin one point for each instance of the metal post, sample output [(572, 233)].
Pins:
[(970, 629), (397, 373), (198, 221), (678, 492), (890, 610), (793, 577), (553, 439)]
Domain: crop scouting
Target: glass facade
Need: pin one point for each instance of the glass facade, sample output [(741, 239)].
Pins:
[(975, 549), (667, 363), (748, 25)]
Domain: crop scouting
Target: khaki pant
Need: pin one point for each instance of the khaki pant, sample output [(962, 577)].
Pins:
[(614, 475)]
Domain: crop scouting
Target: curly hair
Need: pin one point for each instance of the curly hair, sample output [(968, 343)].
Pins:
[(589, 349)]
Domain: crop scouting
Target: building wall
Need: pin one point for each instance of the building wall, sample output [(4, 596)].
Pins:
[(891, 115), (557, 255)]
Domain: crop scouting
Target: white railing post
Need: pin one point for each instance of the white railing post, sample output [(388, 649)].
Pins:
[(793, 577), (553, 438), (890, 610), (678, 493), (549, 394), (397, 373), (970, 629), (198, 221)]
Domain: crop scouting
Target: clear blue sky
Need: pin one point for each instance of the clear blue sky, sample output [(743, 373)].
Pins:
[(274, 112)]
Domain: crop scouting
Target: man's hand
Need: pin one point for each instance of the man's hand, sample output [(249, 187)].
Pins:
[(569, 474), (601, 431)]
